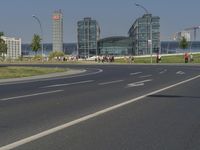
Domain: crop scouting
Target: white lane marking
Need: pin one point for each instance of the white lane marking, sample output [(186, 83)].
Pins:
[(52, 78), (180, 72), (90, 116), (31, 95), (67, 84), (135, 73), (163, 71), (139, 83), (111, 82), (146, 76)]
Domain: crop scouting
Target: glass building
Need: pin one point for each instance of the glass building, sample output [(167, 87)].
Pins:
[(145, 32), (68, 48), (169, 47), (117, 46), (88, 34), (57, 19)]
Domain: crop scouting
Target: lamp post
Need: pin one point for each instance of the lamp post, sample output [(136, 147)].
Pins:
[(138, 5), (37, 19), (149, 42)]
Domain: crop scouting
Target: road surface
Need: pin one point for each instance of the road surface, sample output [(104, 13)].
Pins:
[(119, 107)]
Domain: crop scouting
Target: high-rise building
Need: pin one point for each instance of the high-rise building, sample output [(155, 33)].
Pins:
[(13, 47), (57, 19), (145, 34), (88, 34)]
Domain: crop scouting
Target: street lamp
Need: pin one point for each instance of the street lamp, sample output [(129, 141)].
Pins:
[(138, 5), (37, 19), (149, 42)]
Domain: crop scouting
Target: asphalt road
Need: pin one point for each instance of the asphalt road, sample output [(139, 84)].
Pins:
[(119, 107)]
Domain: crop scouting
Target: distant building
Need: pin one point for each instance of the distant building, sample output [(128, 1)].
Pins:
[(168, 47), (88, 34), (69, 49), (57, 19), (13, 47), (145, 28), (115, 46), (179, 35)]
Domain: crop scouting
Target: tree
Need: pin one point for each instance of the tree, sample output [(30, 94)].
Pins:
[(3, 45), (183, 43), (35, 45)]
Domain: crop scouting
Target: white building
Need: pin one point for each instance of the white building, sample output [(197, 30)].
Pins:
[(181, 34), (13, 47)]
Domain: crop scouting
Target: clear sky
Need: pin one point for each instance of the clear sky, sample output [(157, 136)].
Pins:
[(115, 17)]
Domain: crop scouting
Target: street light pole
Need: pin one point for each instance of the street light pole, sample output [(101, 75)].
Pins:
[(138, 5), (37, 19), (149, 42)]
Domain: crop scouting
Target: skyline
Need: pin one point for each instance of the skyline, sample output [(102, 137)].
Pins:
[(114, 17)]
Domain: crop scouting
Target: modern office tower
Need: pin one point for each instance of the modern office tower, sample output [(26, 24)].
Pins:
[(57, 19), (145, 34), (13, 47), (88, 34)]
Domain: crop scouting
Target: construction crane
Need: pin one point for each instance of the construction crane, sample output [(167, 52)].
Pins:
[(195, 31)]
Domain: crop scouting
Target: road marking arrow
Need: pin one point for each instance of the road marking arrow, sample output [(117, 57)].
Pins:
[(139, 83), (135, 73), (180, 72)]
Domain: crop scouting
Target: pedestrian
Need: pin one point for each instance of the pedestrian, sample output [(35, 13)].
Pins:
[(186, 57), (191, 58)]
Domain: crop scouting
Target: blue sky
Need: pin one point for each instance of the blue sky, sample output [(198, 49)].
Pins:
[(114, 16)]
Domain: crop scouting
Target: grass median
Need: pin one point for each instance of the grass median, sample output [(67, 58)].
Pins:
[(20, 72)]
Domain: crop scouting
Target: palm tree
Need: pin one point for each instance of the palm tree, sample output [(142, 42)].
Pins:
[(35, 45)]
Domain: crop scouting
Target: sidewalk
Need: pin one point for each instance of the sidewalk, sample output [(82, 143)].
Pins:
[(52, 75)]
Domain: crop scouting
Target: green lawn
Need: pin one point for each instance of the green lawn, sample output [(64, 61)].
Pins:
[(165, 59), (19, 72)]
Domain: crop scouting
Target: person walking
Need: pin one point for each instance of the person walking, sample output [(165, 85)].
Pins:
[(186, 57)]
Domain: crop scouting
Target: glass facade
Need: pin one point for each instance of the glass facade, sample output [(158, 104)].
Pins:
[(57, 19), (169, 47), (88, 34), (145, 32), (116, 46), (69, 49)]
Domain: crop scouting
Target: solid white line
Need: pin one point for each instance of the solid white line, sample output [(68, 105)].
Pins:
[(146, 76), (85, 118), (135, 73), (67, 84), (111, 82), (31, 95)]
